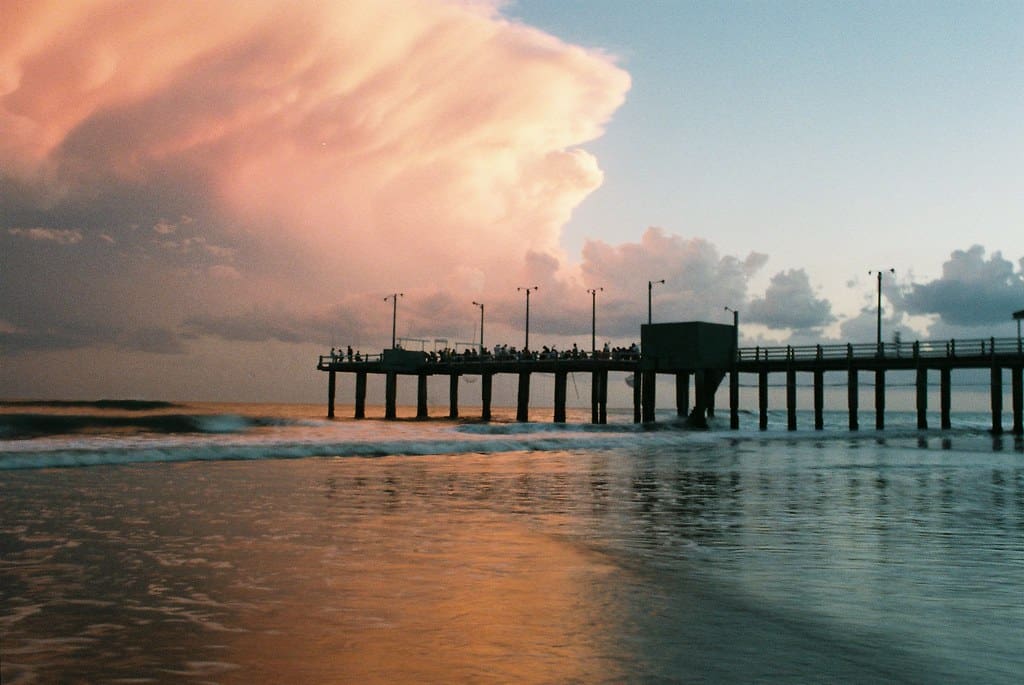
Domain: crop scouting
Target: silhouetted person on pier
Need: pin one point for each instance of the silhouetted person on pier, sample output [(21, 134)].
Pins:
[(349, 353)]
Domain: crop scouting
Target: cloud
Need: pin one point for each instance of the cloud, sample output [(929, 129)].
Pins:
[(790, 302), (56, 235), (273, 160), (699, 282), (972, 291)]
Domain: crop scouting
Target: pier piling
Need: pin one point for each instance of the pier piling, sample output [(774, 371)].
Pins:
[(523, 398), (922, 397), (853, 398), (648, 395), (683, 394), (485, 396), (819, 399), (453, 396), (421, 396), (790, 399), (332, 384), (762, 400), (945, 397), (561, 378), (879, 399), (1017, 380), (997, 399), (360, 395), (390, 395)]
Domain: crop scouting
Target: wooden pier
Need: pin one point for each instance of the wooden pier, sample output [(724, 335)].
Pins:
[(925, 358)]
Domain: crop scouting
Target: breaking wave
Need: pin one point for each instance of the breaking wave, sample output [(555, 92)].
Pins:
[(26, 426)]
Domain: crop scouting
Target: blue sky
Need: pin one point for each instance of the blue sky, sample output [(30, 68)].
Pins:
[(837, 137)]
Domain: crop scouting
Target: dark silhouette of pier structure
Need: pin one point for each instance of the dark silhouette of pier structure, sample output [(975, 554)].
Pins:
[(706, 353)]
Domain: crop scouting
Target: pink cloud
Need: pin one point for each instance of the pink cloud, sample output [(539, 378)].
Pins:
[(386, 143)]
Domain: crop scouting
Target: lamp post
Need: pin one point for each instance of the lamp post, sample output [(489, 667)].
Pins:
[(650, 288), (481, 305), (526, 346), (593, 319), (394, 313), (878, 336), (735, 326)]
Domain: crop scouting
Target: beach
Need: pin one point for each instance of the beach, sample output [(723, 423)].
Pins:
[(261, 543)]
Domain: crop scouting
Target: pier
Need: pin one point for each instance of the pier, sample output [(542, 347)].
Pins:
[(703, 355)]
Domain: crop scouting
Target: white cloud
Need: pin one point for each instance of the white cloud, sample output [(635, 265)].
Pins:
[(56, 235)]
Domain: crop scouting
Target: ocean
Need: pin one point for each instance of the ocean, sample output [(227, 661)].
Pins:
[(225, 543)]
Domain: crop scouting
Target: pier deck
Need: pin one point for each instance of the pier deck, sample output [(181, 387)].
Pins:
[(994, 354)]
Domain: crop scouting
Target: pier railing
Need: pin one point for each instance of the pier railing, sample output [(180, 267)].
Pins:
[(935, 349)]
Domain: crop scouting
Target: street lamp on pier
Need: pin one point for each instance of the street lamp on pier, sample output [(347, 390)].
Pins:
[(481, 305), (878, 328), (526, 346), (650, 288), (735, 327), (593, 319), (394, 313)]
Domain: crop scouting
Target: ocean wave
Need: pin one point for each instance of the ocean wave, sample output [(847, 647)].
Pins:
[(233, 451), (28, 426)]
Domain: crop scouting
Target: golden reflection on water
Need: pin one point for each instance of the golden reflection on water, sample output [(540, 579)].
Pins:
[(405, 598)]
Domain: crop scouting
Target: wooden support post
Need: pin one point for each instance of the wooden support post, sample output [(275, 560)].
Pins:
[(819, 399), (421, 396), (332, 384), (360, 395), (734, 399), (390, 395), (790, 399), (853, 397), (683, 394), (945, 396), (879, 399), (638, 386), (922, 397), (485, 395), (648, 396), (997, 399), (762, 399), (523, 399), (1017, 380), (707, 394), (561, 378), (453, 396), (603, 397), (595, 397)]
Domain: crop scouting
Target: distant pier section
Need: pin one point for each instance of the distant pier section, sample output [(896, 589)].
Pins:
[(702, 355)]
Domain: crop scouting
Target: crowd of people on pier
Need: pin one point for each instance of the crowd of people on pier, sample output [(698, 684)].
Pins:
[(346, 355), (504, 353)]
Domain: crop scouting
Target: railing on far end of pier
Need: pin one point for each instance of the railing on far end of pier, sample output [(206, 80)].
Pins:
[(936, 349)]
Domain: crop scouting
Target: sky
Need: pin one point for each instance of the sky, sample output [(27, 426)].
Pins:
[(197, 199)]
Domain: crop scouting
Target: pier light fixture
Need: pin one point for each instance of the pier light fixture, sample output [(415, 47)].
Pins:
[(394, 313), (481, 305), (878, 327), (735, 326), (593, 318), (526, 346), (650, 288)]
